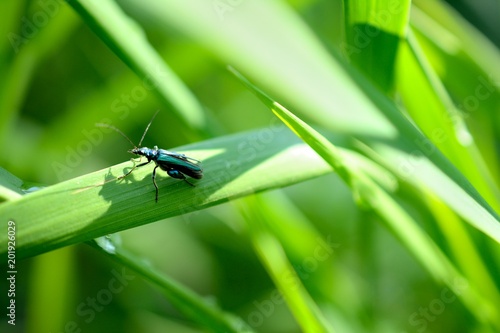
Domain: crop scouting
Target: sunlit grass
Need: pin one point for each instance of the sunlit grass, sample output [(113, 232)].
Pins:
[(350, 180)]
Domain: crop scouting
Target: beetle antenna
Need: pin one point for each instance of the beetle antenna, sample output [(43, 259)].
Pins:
[(147, 128), (116, 130)]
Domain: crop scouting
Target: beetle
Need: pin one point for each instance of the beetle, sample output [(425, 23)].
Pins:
[(175, 164)]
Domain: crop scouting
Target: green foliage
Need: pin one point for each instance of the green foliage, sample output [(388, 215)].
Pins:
[(365, 201)]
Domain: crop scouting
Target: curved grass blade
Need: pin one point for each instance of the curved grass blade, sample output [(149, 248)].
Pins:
[(374, 30), (208, 316), (79, 209), (274, 258), (257, 48), (129, 42), (447, 130), (19, 72)]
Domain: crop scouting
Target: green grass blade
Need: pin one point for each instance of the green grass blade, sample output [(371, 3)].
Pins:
[(464, 250), (18, 75), (208, 316), (288, 224), (232, 33), (433, 111), (465, 61), (273, 256), (79, 209), (129, 42), (456, 35), (57, 266), (374, 30)]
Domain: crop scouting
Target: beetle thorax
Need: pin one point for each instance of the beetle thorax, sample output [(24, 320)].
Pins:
[(145, 151)]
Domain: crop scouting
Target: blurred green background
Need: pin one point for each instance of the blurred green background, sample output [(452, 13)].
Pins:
[(60, 78)]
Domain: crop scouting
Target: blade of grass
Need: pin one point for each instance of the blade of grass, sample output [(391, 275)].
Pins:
[(373, 33), (465, 61), (15, 81), (464, 37), (79, 209), (57, 266), (258, 48), (433, 111), (129, 43), (208, 316), (463, 249), (288, 224), (273, 256)]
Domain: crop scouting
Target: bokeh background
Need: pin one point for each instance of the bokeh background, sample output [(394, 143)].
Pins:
[(62, 79)]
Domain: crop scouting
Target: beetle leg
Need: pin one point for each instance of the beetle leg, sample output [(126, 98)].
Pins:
[(133, 168), (178, 175), (142, 164), (154, 181)]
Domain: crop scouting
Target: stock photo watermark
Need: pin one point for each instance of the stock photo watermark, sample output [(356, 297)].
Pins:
[(363, 37), (30, 26), (425, 315), (484, 89), (11, 272), (222, 7), (89, 308)]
